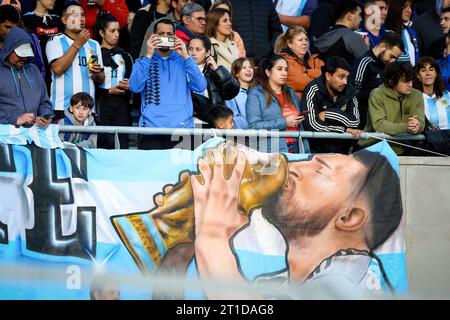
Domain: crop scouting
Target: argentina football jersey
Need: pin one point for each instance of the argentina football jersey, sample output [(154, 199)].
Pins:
[(115, 72), (437, 110)]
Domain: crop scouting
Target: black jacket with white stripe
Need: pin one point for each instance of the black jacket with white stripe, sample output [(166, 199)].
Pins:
[(367, 74), (339, 115)]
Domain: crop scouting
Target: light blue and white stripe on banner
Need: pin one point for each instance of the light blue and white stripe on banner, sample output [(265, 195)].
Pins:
[(42, 137)]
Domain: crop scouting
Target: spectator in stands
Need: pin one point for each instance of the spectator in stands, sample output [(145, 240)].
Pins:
[(322, 19), (68, 55), (293, 45), (221, 85), (242, 69), (428, 79), (430, 37), (9, 18), (399, 21), (15, 3), (225, 4), (91, 8), (175, 13), (194, 22), (273, 105), (368, 71), (23, 95), (445, 20), (341, 40), (219, 30), (295, 13), (153, 11), (165, 77), (444, 63), (332, 106), (104, 287), (79, 114), (221, 117), (375, 13), (259, 26), (113, 95), (395, 107)]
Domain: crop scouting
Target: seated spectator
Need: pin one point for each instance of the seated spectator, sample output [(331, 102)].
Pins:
[(193, 19), (165, 77), (79, 114), (221, 117), (368, 71), (243, 70), (375, 13), (293, 45), (23, 95), (68, 54), (295, 13), (219, 30), (428, 79), (395, 107), (225, 4), (117, 8), (444, 63), (221, 85), (322, 19), (175, 13), (259, 26), (332, 106), (399, 21), (445, 20), (113, 95), (9, 18), (273, 105), (341, 40)]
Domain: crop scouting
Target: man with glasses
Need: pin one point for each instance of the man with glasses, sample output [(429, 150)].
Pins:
[(193, 19)]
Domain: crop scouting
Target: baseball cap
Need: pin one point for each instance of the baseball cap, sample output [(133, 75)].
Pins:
[(24, 50)]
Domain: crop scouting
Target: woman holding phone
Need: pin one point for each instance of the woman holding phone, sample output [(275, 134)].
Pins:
[(113, 95), (273, 105)]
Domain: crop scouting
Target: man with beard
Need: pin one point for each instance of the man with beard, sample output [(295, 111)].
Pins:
[(23, 95), (367, 72), (332, 107), (332, 213), (165, 77)]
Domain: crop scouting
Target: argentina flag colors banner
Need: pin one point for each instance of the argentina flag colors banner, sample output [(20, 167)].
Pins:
[(286, 225)]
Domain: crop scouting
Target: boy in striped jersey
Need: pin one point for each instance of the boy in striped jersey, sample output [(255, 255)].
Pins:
[(68, 55)]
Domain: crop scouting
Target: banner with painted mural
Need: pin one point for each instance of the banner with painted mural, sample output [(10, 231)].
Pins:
[(290, 226)]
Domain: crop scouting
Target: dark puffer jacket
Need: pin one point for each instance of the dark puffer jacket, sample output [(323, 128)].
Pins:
[(258, 24)]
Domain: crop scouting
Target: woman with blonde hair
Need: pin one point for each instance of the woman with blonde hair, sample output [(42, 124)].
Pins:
[(218, 30), (293, 45), (225, 4)]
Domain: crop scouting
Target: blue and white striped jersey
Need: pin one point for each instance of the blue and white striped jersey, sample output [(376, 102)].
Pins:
[(76, 78), (113, 76), (438, 110)]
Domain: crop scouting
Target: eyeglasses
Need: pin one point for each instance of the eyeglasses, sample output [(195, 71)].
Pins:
[(199, 19)]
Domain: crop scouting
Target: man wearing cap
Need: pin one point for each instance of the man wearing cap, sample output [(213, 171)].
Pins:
[(23, 94)]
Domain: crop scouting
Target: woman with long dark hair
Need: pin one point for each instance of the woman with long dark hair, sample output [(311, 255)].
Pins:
[(113, 95), (273, 105)]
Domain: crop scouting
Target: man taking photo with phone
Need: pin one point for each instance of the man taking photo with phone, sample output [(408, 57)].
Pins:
[(165, 77)]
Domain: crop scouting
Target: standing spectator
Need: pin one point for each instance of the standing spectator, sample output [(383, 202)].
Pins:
[(113, 95), (273, 105), (430, 37), (219, 31), (92, 8), (368, 71), (444, 63), (395, 107), (295, 13), (193, 19), (226, 4), (243, 70), (68, 55), (221, 85), (322, 19), (153, 11), (332, 106), (165, 77), (23, 95), (341, 40), (80, 114), (399, 21), (375, 13), (293, 45), (9, 18), (258, 24)]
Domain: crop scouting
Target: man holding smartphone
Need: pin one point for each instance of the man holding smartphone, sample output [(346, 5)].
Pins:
[(23, 94), (165, 77)]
